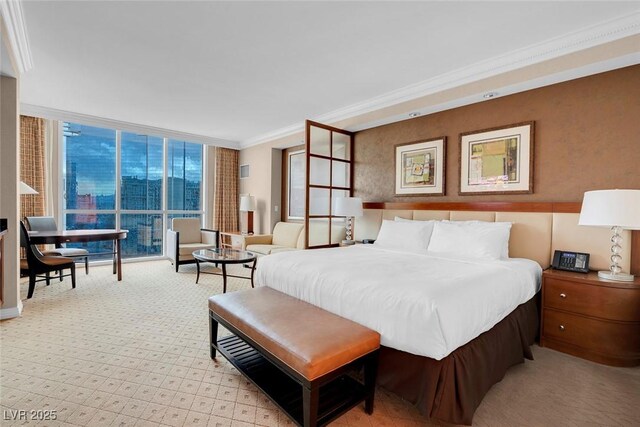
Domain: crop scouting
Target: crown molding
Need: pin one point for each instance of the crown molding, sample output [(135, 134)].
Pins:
[(586, 38), (13, 17), (55, 114), (575, 73)]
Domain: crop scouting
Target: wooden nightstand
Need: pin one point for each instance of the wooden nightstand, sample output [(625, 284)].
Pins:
[(591, 318)]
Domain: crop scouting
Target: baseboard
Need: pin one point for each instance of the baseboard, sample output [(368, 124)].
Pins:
[(11, 312)]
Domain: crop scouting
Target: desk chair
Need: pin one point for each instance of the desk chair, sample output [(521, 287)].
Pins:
[(48, 223), (36, 264)]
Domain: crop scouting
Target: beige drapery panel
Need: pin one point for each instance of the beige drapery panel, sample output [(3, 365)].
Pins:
[(226, 210), (32, 157)]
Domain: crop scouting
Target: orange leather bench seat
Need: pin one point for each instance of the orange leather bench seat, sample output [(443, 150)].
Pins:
[(308, 339)]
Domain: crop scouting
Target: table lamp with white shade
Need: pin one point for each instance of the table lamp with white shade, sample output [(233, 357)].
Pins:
[(349, 207), (618, 209), (25, 189), (247, 207)]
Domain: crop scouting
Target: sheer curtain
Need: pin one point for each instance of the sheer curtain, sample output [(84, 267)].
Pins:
[(32, 159), (52, 174), (226, 209)]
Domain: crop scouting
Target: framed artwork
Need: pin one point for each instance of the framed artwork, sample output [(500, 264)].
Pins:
[(420, 167), (497, 161)]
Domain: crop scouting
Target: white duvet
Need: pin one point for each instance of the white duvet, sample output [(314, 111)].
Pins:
[(421, 304)]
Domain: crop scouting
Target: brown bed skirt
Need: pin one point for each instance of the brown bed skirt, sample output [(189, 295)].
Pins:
[(451, 389)]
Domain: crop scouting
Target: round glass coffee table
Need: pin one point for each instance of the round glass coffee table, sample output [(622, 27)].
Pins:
[(224, 256)]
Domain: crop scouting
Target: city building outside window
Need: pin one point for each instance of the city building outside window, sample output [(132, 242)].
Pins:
[(119, 179)]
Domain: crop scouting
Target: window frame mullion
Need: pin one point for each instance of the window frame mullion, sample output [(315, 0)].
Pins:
[(118, 176)]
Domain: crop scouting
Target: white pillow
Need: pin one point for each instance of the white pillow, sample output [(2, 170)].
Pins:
[(474, 239), (409, 236), (400, 219), (505, 250)]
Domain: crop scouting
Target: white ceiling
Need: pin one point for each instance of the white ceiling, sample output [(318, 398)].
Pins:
[(239, 70)]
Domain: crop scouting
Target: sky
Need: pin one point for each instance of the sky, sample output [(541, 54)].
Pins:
[(94, 152)]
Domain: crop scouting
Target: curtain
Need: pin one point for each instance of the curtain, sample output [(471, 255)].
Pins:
[(226, 209), (50, 171), (32, 158)]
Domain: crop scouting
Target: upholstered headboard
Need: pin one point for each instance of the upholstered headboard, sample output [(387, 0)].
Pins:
[(538, 228)]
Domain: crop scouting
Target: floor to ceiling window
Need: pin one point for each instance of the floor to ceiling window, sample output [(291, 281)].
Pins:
[(135, 182), (90, 180), (184, 180), (141, 174)]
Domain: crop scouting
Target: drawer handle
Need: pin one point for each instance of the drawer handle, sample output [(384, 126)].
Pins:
[(562, 327), (563, 295)]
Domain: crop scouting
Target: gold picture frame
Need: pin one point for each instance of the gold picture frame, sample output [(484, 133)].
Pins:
[(420, 167), (497, 160)]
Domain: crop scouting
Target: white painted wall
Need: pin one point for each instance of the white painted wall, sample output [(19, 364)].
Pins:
[(276, 187)]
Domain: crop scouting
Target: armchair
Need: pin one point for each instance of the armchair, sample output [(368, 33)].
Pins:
[(186, 236)]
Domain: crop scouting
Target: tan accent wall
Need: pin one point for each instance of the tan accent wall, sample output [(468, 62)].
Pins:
[(275, 187), (9, 193), (264, 183), (587, 137)]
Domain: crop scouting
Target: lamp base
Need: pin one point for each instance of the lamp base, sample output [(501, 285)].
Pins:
[(246, 220), (619, 277), (348, 242)]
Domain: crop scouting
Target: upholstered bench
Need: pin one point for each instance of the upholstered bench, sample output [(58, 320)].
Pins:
[(300, 355)]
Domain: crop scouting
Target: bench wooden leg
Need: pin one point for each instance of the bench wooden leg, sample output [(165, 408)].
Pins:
[(370, 373), (213, 335), (224, 277), (253, 270), (310, 403)]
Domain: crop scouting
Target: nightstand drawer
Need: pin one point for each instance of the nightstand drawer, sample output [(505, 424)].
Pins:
[(604, 337), (596, 301)]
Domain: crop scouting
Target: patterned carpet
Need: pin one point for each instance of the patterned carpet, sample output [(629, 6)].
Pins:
[(136, 353)]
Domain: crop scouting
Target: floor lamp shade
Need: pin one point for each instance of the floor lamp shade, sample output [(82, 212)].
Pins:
[(617, 209), (247, 206)]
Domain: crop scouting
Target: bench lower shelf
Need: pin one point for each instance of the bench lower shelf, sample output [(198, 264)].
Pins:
[(336, 396)]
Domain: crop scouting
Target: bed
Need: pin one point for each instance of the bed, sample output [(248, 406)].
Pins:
[(451, 326), (421, 304)]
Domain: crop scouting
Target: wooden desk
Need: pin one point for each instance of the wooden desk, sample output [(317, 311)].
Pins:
[(81, 236)]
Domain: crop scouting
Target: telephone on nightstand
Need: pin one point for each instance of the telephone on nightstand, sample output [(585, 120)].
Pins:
[(571, 261)]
